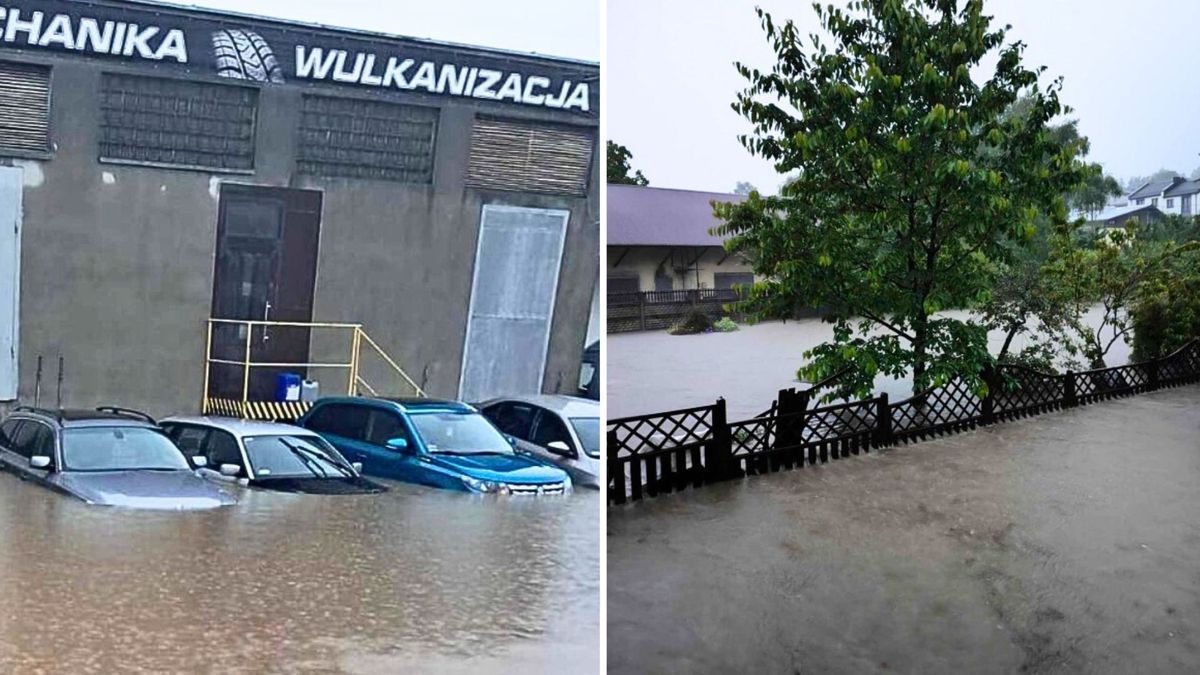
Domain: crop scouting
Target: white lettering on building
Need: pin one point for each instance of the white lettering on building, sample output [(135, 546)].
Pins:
[(118, 38), (339, 65)]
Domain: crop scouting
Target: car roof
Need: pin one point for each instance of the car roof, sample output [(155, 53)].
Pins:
[(567, 406), (410, 405), (79, 417), (240, 427)]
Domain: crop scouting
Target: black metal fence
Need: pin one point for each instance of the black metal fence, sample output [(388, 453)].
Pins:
[(650, 455), (656, 310)]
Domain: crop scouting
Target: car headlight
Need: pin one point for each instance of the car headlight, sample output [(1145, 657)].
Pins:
[(485, 486)]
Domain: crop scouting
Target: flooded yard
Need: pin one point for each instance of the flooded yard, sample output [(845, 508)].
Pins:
[(415, 580), (1064, 543), (653, 371)]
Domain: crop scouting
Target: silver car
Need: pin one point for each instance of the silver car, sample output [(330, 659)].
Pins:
[(267, 456), (108, 456), (563, 430)]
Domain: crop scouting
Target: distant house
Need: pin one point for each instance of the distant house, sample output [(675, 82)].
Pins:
[(1176, 196), (1119, 216), (658, 240)]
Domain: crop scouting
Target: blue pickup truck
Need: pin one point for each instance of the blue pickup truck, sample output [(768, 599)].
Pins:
[(443, 444)]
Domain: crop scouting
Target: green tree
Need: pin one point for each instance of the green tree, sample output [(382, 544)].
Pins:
[(1112, 271), (744, 188), (1166, 309), (1027, 306), (619, 170), (909, 184)]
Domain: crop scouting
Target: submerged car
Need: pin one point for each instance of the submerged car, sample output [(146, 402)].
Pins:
[(108, 456), (266, 455), (443, 444), (563, 430)]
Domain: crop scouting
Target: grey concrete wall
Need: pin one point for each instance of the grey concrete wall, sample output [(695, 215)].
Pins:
[(118, 261)]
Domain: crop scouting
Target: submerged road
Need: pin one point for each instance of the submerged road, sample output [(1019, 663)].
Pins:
[(415, 580), (1064, 543)]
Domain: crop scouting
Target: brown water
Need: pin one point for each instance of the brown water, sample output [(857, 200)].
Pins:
[(1065, 543), (415, 580), (652, 371)]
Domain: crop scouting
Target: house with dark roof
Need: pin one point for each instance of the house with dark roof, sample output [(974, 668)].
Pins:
[(1176, 196), (659, 240)]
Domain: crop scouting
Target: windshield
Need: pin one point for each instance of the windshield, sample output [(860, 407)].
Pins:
[(285, 456), (460, 434), (588, 429), (120, 449)]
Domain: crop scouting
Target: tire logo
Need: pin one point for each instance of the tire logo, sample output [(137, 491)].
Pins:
[(244, 55)]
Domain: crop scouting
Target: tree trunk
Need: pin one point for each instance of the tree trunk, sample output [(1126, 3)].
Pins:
[(920, 337)]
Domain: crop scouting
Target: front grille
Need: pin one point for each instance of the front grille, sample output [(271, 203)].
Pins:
[(546, 489)]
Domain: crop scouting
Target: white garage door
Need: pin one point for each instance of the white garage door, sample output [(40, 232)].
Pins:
[(10, 276), (512, 301)]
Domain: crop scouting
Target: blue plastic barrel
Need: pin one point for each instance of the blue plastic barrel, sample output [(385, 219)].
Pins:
[(287, 387)]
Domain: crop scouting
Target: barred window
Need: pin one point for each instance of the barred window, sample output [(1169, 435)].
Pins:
[(355, 138), (24, 108), (148, 120), (530, 157)]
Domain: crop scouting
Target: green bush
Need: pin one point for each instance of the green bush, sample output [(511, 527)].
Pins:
[(1166, 313), (725, 325), (693, 322)]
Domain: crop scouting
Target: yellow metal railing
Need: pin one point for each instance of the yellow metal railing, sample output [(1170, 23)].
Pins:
[(252, 409)]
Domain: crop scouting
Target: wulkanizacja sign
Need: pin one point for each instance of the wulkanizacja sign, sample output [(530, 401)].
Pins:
[(171, 39)]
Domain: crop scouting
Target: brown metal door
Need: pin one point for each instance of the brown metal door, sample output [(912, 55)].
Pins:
[(266, 265)]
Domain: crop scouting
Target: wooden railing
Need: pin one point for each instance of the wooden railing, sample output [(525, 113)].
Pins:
[(656, 454)]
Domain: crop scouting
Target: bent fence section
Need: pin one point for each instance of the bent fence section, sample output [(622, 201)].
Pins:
[(651, 455)]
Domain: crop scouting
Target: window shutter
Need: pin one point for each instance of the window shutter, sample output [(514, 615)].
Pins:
[(24, 108), (530, 157)]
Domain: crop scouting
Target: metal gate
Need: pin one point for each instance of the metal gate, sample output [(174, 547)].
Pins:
[(517, 267), (10, 277)]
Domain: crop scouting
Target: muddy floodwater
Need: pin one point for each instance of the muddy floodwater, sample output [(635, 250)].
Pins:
[(1064, 543), (653, 371), (415, 580)]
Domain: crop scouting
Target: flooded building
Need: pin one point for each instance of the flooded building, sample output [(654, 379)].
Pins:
[(659, 240), (161, 167)]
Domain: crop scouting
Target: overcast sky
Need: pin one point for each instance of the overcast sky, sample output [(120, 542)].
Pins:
[(1128, 67), (550, 27)]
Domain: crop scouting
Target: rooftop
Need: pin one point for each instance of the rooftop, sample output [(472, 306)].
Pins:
[(648, 216), (1154, 189)]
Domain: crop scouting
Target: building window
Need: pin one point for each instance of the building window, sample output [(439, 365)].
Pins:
[(1170, 203), (354, 138), (24, 109), (1139, 202), (1154, 201), (530, 157), (618, 285), (176, 123)]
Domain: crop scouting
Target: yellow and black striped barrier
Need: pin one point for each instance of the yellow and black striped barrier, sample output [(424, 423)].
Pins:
[(257, 410)]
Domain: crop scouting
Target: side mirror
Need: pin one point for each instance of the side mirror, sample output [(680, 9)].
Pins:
[(200, 461), (398, 444), (357, 466), (230, 469), (39, 462), (560, 448)]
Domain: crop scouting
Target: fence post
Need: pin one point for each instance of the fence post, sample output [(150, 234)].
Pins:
[(718, 454), (642, 310), (989, 401), (1070, 398), (617, 484), (883, 421), (1152, 364)]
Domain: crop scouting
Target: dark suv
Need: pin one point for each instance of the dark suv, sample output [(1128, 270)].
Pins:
[(107, 456)]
